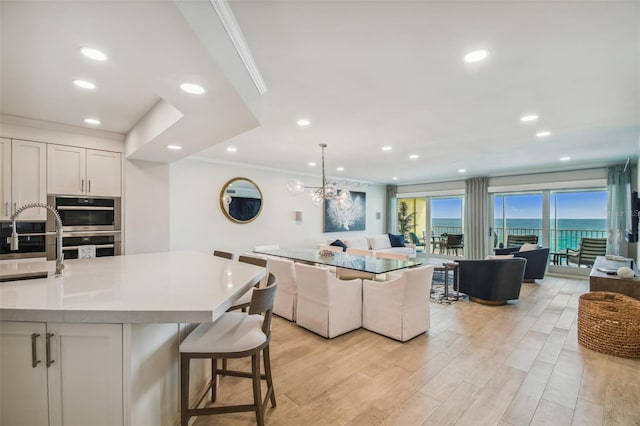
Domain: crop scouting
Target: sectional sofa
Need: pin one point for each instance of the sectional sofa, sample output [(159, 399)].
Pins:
[(389, 243)]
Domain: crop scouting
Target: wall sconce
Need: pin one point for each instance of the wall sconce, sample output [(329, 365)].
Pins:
[(297, 215)]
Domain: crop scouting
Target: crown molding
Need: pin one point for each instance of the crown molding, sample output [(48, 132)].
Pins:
[(224, 12)]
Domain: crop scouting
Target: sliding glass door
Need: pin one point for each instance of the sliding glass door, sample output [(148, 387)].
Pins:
[(575, 215), (517, 214)]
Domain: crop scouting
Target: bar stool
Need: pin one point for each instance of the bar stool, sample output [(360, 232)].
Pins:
[(245, 300), (233, 335), (223, 254)]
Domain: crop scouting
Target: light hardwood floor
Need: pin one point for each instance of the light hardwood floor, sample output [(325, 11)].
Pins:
[(519, 364)]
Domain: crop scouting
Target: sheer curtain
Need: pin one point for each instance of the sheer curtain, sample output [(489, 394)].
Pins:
[(392, 208), (476, 218), (618, 208)]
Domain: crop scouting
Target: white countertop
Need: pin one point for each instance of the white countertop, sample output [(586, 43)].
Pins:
[(169, 287)]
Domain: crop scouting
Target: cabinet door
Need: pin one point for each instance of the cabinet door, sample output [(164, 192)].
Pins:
[(66, 170), (103, 173), (5, 179), (85, 379), (23, 387), (29, 178)]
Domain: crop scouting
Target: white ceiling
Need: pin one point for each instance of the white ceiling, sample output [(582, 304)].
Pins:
[(366, 73)]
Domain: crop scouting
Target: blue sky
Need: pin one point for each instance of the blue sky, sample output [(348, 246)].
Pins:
[(570, 205)]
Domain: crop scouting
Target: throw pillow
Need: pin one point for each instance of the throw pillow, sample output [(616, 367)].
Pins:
[(338, 243), (357, 242), (528, 247), (396, 240), (379, 242), (499, 256)]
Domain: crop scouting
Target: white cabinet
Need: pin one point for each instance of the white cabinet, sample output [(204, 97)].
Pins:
[(77, 381), (24, 177), (80, 171)]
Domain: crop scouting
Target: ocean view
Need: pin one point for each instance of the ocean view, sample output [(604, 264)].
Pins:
[(569, 231)]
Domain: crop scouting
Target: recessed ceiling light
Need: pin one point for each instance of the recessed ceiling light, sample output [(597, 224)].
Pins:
[(93, 121), (94, 54), (340, 169), (543, 134), (387, 148), (530, 117), (303, 122), (476, 56), (414, 156), (311, 164), (232, 149), (84, 84), (462, 170), (565, 158), (192, 88), (394, 178), (174, 147)]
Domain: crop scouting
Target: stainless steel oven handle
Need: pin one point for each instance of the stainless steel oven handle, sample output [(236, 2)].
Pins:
[(64, 208), (101, 246)]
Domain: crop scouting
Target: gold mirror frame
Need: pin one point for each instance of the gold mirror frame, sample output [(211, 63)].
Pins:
[(224, 206)]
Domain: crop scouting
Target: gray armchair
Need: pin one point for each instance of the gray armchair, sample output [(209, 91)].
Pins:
[(491, 281), (537, 261)]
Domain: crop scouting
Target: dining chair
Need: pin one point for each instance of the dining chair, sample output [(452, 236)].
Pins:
[(398, 308), (287, 294), (327, 305), (387, 255), (266, 247), (233, 335), (442, 243), (359, 252), (223, 254)]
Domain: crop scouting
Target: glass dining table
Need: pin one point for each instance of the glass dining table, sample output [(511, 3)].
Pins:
[(347, 265)]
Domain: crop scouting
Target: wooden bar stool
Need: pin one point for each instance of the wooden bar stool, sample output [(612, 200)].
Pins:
[(233, 335)]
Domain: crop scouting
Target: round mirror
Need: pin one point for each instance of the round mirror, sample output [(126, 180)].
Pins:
[(241, 200)]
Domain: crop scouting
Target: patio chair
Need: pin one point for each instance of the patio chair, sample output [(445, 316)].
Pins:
[(416, 240), (518, 240), (455, 242), (590, 248)]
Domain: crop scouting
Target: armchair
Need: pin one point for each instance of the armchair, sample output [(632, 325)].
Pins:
[(537, 261), (491, 281), (590, 248)]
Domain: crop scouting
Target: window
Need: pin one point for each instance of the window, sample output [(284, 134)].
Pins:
[(575, 215), (517, 214)]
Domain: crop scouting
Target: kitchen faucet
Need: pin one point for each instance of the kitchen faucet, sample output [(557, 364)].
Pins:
[(14, 234)]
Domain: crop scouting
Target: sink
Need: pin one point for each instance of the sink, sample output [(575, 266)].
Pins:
[(12, 271)]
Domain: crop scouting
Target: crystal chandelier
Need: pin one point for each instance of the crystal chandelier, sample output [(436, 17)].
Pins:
[(328, 191)]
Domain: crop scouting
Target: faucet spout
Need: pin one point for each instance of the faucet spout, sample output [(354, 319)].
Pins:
[(14, 233)]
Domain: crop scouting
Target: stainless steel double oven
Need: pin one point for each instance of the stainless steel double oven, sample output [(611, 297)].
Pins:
[(94, 221)]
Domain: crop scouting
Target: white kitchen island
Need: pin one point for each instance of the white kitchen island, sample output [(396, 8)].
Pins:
[(99, 346)]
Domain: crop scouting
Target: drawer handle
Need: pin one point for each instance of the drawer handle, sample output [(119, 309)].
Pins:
[(49, 360), (34, 351), (81, 185)]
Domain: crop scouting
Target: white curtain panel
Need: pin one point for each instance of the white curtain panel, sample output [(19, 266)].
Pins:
[(476, 218), (392, 208), (618, 208)]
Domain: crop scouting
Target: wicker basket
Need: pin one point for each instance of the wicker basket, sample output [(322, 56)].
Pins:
[(609, 323)]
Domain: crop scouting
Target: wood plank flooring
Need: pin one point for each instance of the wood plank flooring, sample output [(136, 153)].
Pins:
[(519, 364)]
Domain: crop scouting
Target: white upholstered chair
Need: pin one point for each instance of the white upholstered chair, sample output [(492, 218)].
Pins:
[(266, 247), (327, 305), (287, 294), (398, 308)]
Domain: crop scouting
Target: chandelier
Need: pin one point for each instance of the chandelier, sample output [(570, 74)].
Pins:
[(328, 191)]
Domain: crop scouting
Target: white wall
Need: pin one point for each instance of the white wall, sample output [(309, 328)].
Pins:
[(198, 223), (146, 220)]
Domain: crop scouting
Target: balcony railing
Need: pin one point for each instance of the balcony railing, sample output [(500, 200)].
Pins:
[(559, 240)]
